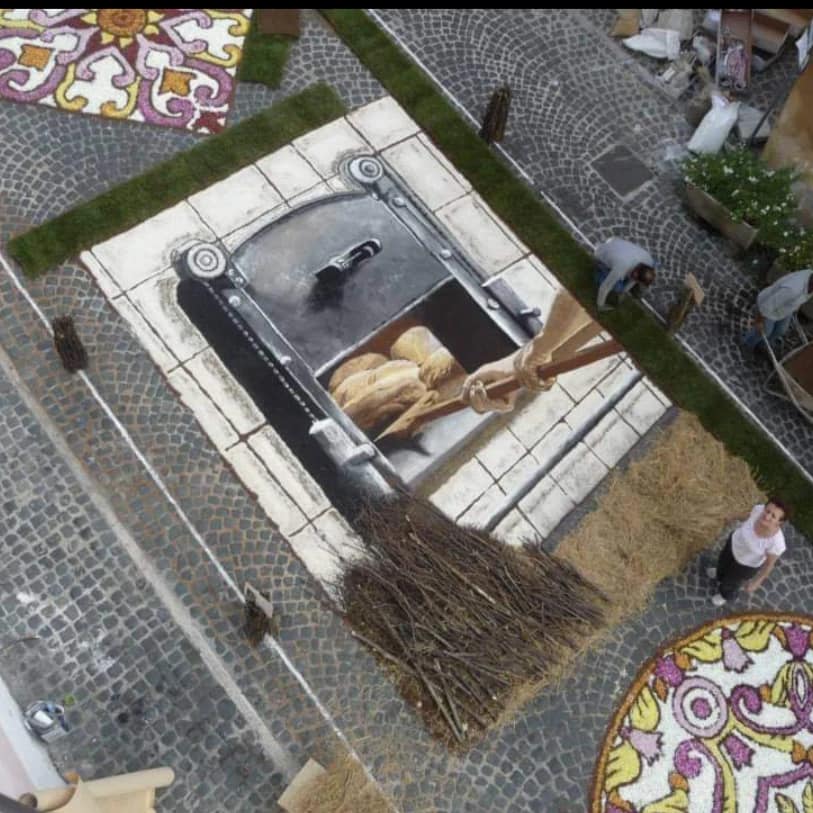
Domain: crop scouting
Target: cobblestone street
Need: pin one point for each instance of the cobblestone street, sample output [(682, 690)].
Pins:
[(126, 537)]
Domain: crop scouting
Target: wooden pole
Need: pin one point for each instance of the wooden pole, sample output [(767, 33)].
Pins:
[(408, 424)]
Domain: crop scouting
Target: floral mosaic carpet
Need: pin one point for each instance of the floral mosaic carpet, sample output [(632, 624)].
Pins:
[(720, 722), (171, 67)]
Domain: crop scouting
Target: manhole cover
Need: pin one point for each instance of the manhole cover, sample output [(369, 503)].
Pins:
[(622, 170)]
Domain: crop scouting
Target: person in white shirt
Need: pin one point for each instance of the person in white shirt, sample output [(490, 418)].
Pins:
[(750, 553), (776, 305), (620, 266)]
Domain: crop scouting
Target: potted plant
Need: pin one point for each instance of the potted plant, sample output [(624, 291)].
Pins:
[(741, 196), (795, 254)]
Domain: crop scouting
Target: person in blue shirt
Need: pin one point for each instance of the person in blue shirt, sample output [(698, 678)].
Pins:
[(776, 306), (620, 266)]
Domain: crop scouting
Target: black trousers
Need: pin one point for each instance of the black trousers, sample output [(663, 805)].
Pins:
[(731, 575)]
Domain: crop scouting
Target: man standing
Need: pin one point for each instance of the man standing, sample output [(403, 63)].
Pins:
[(776, 306), (620, 266), (750, 553)]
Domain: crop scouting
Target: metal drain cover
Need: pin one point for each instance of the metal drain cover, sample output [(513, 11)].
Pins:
[(622, 170)]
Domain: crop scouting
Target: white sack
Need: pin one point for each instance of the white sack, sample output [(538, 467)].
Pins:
[(710, 136), (656, 42)]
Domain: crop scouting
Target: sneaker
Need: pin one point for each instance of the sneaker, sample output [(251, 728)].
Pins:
[(717, 600), (711, 572)]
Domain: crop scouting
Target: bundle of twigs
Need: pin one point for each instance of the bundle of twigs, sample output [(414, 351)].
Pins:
[(68, 345), (466, 622), (496, 116)]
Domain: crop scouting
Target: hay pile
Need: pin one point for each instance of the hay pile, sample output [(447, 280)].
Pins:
[(343, 788), (465, 621), (658, 515)]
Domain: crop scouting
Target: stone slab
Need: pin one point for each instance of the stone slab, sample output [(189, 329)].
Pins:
[(237, 237), (326, 147), (579, 473), (417, 165), (479, 234), (546, 506), (640, 408), (611, 439), (211, 419), (289, 472), (534, 420), (157, 301), (106, 283), (578, 383), (323, 545), (500, 453), (622, 170), (142, 330), (483, 508), (532, 286), (288, 172), (235, 201), (220, 385), (383, 122), (515, 530), (444, 161), (278, 506), (146, 249), (462, 489)]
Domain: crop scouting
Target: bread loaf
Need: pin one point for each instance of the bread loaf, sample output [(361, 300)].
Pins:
[(357, 364), (441, 371), (415, 344), (359, 382), (385, 399)]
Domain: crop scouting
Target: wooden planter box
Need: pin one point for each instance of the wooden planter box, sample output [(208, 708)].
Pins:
[(715, 214)]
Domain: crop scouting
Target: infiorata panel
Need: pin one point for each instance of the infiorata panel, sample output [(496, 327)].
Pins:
[(170, 67)]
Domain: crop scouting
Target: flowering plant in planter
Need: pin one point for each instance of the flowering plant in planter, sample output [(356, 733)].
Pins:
[(750, 190), (797, 251)]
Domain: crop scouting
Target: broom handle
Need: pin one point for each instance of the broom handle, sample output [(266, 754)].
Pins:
[(507, 385)]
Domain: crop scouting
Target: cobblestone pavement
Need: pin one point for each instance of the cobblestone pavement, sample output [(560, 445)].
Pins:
[(541, 762), (576, 94), (104, 639)]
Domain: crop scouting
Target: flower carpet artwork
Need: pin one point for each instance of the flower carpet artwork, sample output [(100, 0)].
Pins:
[(719, 722), (170, 67)]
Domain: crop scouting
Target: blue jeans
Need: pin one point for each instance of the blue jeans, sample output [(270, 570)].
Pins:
[(773, 330), (600, 274)]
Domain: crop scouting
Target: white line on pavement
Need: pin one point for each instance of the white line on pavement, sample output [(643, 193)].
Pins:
[(156, 478)]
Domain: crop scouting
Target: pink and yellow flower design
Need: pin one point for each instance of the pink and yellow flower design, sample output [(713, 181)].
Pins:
[(171, 67), (718, 722)]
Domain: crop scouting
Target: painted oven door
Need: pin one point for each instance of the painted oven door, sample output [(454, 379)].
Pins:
[(333, 272)]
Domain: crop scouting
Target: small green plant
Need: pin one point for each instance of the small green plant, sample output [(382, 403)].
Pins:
[(797, 252), (749, 189)]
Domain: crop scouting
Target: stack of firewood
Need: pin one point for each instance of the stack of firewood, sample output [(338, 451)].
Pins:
[(374, 389)]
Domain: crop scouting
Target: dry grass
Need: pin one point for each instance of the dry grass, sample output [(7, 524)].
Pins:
[(344, 788), (658, 515)]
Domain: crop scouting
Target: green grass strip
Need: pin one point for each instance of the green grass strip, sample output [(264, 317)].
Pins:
[(264, 56), (657, 354), (134, 201)]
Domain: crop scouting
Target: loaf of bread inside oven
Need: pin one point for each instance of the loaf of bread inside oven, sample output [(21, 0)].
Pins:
[(355, 384), (440, 370), (385, 398), (357, 364)]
